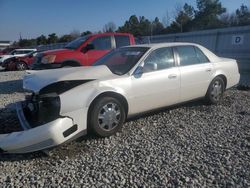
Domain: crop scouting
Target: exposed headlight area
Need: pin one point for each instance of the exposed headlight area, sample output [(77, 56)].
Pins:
[(47, 59), (41, 109)]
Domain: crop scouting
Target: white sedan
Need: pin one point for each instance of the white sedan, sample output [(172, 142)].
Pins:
[(68, 103)]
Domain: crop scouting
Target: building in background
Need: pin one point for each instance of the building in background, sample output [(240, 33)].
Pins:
[(4, 44)]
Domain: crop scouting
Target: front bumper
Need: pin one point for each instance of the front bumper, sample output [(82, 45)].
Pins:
[(38, 138), (41, 66)]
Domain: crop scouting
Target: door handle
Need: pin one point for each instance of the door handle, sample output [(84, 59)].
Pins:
[(208, 70), (172, 76)]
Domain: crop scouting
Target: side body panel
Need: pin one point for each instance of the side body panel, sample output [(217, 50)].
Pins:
[(154, 90), (195, 80)]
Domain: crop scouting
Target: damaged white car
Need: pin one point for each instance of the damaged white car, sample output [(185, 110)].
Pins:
[(67, 103)]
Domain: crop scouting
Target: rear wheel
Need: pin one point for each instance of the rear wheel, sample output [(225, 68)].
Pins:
[(215, 90), (106, 116)]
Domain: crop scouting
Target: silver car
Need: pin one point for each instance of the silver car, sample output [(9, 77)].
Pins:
[(68, 103)]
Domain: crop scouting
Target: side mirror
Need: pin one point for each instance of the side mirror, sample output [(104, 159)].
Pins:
[(138, 71), (88, 47), (150, 67)]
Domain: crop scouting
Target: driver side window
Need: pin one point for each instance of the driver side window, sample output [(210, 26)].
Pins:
[(159, 59)]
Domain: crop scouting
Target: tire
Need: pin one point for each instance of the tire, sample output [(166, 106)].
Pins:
[(10, 66), (20, 66), (215, 91), (106, 116)]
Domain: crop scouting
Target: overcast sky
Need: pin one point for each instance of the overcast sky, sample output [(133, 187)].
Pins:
[(33, 18)]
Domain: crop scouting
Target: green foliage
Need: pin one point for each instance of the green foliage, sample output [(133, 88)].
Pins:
[(243, 15), (66, 38), (27, 42), (86, 33), (41, 40), (207, 15), (52, 38)]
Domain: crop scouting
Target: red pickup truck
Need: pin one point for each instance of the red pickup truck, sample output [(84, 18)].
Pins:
[(83, 51)]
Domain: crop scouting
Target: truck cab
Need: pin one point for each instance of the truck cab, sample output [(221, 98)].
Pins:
[(83, 51)]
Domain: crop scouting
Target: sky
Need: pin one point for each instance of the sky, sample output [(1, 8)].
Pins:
[(32, 18)]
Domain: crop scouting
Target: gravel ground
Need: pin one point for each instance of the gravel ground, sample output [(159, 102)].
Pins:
[(189, 145)]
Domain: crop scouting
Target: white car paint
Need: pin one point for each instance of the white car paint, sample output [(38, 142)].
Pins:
[(16, 53), (143, 92)]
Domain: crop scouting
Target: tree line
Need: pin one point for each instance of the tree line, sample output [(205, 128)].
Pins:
[(209, 14)]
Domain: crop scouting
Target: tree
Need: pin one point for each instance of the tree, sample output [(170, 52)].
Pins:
[(166, 20), (157, 27), (109, 27), (52, 38), (131, 26), (41, 40), (207, 15), (65, 38), (145, 26), (228, 20), (75, 34), (243, 15), (183, 19), (27, 42), (86, 33)]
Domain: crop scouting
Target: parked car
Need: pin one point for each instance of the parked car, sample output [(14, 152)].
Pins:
[(15, 53), (68, 103), (20, 63), (7, 50), (83, 51)]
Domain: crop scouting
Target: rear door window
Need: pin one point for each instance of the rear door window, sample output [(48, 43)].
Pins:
[(190, 55), (122, 41), (102, 43)]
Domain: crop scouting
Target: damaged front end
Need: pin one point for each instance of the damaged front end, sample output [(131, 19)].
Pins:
[(47, 117), (42, 125), (40, 109)]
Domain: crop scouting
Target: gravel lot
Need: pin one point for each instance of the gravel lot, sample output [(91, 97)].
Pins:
[(189, 145)]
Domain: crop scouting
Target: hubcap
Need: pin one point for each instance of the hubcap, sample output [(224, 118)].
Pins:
[(20, 66), (109, 116), (216, 90)]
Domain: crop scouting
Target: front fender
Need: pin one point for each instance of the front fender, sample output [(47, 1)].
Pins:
[(83, 95)]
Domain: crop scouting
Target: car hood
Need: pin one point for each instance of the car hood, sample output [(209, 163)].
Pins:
[(57, 51), (36, 80)]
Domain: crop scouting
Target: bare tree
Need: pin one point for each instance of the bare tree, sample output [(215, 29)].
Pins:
[(109, 27), (75, 33), (166, 19)]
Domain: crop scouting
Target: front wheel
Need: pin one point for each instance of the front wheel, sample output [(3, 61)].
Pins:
[(106, 116), (215, 90), (21, 66)]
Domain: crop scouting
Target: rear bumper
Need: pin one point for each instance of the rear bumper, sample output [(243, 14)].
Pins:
[(42, 137)]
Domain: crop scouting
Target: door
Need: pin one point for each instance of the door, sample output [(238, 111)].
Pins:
[(102, 45), (158, 85), (196, 71)]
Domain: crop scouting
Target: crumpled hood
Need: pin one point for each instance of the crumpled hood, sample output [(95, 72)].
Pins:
[(36, 80)]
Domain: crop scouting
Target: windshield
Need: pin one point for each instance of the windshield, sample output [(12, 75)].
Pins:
[(122, 60), (77, 42)]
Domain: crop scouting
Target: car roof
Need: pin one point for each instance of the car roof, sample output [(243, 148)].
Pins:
[(209, 54), (21, 49), (166, 44), (108, 34)]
